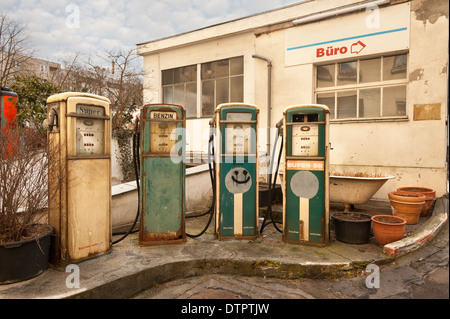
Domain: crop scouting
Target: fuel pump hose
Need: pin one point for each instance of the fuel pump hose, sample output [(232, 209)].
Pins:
[(271, 192), (136, 141), (211, 175)]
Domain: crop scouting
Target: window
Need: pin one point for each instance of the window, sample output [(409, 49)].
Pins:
[(222, 81), (43, 68), (180, 87), (370, 88)]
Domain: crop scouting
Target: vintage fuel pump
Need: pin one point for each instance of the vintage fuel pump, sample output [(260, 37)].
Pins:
[(162, 174), (8, 110), (79, 135), (306, 182), (236, 170)]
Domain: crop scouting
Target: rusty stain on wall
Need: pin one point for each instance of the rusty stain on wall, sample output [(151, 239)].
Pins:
[(424, 112)]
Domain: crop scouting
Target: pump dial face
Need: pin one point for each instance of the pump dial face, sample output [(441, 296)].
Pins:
[(305, 139), (90, 136)]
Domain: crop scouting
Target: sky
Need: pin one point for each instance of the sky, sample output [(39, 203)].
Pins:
[(60, 28)]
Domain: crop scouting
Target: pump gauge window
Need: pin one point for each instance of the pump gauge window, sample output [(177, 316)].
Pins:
[(163, 133), (238, 135), (305, 139), (90, 132)]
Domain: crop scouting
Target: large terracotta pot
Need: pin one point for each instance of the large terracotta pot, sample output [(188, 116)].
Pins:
[(407, 205), (387, 228), (429, 194)]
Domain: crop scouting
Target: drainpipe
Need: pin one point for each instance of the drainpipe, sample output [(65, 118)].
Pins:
[(269, 97)]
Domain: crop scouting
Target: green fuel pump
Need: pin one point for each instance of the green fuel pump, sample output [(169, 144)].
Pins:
[(162, 174), (236, 171), (306, 181)]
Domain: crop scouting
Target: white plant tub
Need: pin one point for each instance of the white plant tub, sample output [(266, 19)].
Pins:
[(351, 190), (125, 197)]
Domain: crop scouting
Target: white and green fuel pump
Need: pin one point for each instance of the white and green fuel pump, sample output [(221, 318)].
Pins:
[(306, 174), (236, 170)]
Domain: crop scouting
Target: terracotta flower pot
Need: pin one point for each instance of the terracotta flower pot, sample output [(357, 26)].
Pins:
[(387, 228), (407, 205), (429, 194)]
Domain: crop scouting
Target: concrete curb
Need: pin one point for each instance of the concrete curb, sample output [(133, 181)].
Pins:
[(128, 269), (427, 233)]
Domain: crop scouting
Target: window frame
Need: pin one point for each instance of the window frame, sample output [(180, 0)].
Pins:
[(199, 84), (358, 86)]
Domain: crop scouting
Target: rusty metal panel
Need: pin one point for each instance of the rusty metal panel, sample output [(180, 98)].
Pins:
[(162, 196)]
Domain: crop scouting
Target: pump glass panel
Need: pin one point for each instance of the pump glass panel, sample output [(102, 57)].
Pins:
[(238, 135), (163, 134), (90, 132), (305, 139)]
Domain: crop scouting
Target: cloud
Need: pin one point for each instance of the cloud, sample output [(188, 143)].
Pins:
[(104, 24)]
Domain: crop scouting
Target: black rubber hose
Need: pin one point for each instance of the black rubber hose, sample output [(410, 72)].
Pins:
[(136, 141), (272, 192), (212, 177)]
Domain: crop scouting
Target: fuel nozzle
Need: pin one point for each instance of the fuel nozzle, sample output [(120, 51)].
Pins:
[(49, 122), (279, 126)]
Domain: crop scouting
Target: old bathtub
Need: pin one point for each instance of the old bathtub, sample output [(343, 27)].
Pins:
[(354, 190)]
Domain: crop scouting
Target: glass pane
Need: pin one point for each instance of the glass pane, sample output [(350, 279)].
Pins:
[(237, 89), (191, 100), (190, 73), (222, 68), (325, 75), (394, 67), (208, 98), (178, 75), (328, 100), (346, 73), (222, 90), (346, 104), (394, 100), (167, 77), (178, 96), (90, 137), (369, 102), (370, 70), (207, 71), (237, 66), (168, 94)]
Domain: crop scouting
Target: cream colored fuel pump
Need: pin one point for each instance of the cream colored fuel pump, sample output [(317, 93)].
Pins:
[(79, 136)]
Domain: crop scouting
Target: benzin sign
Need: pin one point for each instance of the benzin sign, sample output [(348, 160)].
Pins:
[(348, 36)]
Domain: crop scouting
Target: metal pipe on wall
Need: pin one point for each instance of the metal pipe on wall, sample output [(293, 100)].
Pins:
[(269, 97)]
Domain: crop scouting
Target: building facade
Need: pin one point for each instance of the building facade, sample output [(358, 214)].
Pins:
[(380, 66)]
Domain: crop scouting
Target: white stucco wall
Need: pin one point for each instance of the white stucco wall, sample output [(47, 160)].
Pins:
[(412, 150)]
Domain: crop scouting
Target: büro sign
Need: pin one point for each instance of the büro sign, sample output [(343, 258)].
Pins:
[(349, 36), (354, 48)]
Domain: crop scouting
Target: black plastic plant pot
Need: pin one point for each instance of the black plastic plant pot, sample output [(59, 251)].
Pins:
[(352, 228), (24, 260)]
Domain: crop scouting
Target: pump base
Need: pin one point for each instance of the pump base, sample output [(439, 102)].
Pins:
[(160, 242)]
